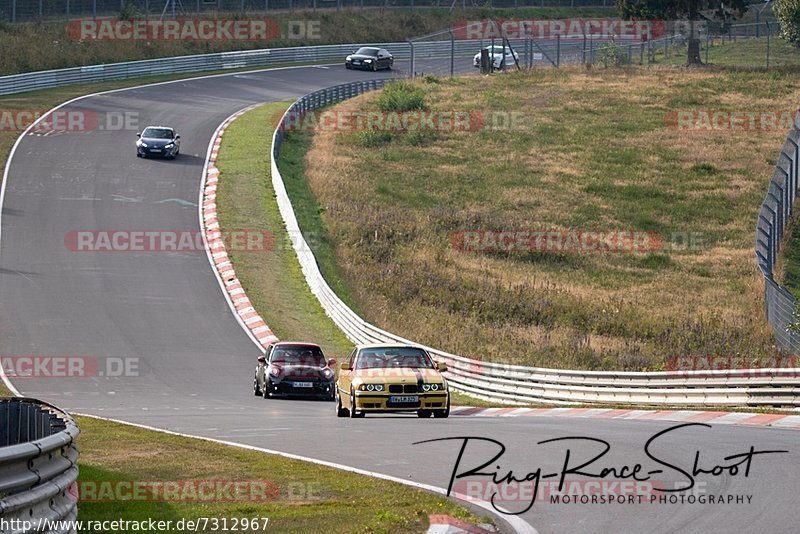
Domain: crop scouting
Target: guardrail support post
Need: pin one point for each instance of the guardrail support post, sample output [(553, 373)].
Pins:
[(452, 52), (411, 44)]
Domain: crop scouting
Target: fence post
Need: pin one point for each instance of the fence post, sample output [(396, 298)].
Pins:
[(769, 31), (67, 10), (13, 11), (452, 52), (558, 50), (94, 9), (40, 11), (411, 44)]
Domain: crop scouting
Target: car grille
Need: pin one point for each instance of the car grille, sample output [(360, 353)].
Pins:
[(403, 388)]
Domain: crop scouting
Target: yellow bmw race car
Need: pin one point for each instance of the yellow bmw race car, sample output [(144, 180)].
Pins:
[(391, 378)]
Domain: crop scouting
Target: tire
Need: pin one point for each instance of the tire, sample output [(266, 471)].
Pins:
[(348, 67), (424, 414), (375, 66), (256, 389), (353, 413), (442, 414), (340, 412)]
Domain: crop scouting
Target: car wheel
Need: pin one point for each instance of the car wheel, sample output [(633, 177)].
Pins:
[(340, 412), (353, 413), (374, 66), (256, 389), (348, 67), (441, 414), (424, 414)]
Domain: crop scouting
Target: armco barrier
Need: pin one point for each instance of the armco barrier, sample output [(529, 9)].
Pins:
[(38, 465), (265, 57), (773, 218), (514, 384)]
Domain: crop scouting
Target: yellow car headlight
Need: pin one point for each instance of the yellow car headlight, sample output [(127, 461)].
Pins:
[(431, 387), (371, 387)]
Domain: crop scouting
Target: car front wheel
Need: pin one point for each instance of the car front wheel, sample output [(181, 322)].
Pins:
[(353, 413), (441, 414), (340, 412), (256, 389)]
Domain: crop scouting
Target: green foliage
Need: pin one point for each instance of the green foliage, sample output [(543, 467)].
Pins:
[(676, 9), (401, 96), (788, 13), (130, 11), (613, 55)]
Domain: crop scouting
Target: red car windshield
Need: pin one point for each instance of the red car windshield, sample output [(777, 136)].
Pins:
[(311, 356)]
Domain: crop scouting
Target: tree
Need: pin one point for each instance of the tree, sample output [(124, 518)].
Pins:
[(675, 10), (788, 13)]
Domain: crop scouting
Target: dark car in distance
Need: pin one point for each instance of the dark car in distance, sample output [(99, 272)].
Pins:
[(160, 141), (294, 369), (369, 58)]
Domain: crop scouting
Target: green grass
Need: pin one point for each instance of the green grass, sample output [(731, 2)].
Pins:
[(308, 212), (594, 153), (49, 46), (310, 498), (245, 199), (743, 53), (788, 268)]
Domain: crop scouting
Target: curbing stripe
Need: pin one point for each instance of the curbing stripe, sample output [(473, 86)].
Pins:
[(678, 416)]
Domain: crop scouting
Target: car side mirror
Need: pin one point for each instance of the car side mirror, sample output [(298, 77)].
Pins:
[(331, 362), (262, 359), (442, 366), (138, 135), (177, 137), (345, 366)]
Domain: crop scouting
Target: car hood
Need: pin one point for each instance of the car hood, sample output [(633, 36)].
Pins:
[(301, 371), (398, 375), (153, 142), (361, 56)]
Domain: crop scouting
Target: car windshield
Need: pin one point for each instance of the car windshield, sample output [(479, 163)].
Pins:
[(298, 356), (393, 358), (157, 133), (366, 51)]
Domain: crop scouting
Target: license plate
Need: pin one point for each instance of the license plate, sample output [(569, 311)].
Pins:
[(405, 399), (155, 150), (302, 384), (356, 62)]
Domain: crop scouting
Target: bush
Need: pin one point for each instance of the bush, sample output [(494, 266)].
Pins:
[(130, 11), (401, 96), (613, 55), (788, 13)]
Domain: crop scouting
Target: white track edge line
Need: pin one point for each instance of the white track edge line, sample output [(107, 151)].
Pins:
[(518, 524)]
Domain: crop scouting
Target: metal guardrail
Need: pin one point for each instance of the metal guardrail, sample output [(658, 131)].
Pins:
[(38, 466), (267, 57), (773, 218), (514, 384)]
